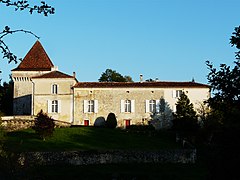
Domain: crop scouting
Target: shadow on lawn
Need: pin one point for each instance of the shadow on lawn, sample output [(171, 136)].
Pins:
[(22, 135)]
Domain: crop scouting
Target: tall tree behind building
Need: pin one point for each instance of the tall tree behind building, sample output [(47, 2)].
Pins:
[(112, 76)]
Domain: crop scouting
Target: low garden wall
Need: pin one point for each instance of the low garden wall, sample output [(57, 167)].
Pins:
[(13, 123), (29, 159)]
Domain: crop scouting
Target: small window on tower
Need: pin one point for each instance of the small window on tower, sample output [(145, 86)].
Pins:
[(54, 89)]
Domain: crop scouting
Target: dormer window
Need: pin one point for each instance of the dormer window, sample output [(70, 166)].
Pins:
[(54, 89)]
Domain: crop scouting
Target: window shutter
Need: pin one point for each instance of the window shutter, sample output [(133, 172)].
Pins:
[(158, 106), (147, 106), (122, 109), (59, 106), (132, 105), (85, 106), (57, 89), (51, 89), (174, 93), (96, 106), (49, 106)]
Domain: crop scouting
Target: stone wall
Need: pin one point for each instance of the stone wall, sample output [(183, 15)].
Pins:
[(28, 159), (13, 123)]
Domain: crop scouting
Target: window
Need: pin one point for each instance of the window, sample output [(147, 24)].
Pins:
[(178, 93), (54, 106), (127, 106), (90, 106), (54, 89), (152, 106)]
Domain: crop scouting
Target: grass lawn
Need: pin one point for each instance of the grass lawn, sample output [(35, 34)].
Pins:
[(89, 138)]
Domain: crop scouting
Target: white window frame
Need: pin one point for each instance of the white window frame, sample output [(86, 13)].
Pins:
[(54, 89), (127, 106), (90, 106), (178, 93), (54, 106), (152, 106)]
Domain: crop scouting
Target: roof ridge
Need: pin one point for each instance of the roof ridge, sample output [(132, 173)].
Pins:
[(141, 84), (54, 74)]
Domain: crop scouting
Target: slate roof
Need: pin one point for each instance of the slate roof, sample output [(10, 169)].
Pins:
[(53, 75), (35, 60), (160, 84)]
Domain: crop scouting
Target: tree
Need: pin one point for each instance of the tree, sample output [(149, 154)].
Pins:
[(128, 78), (225, 112), (226, 81), (6, 98), (112, 76), (163, 117), (111, 121), (184, 108), (43, 8), (44, 125), (23, 5), (185, 119)]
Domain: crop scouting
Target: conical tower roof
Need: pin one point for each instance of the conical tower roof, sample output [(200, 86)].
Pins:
[(35, 60)]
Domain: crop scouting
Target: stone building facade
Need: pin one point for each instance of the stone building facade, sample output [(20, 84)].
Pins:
[(38, 85), (132, 103)]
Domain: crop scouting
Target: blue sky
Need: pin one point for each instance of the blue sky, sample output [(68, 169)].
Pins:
[(165, 39)]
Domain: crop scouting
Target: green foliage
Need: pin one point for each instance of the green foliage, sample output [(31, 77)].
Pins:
[(44, 125), (6, 98), (235, 40), (225, 82), (223, 125), (111, 121), (112, 76), (185, 120), (163, 118), (3, 153), (184, 107)]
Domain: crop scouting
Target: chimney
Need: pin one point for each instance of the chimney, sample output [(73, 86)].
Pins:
[(74, 74), (141, 78), (193, 80)]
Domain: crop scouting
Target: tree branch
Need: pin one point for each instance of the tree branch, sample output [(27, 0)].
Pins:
[(4, 47), (44, 8)]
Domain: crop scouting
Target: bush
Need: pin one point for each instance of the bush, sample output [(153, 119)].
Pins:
[(44, 125), (111, 121)]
